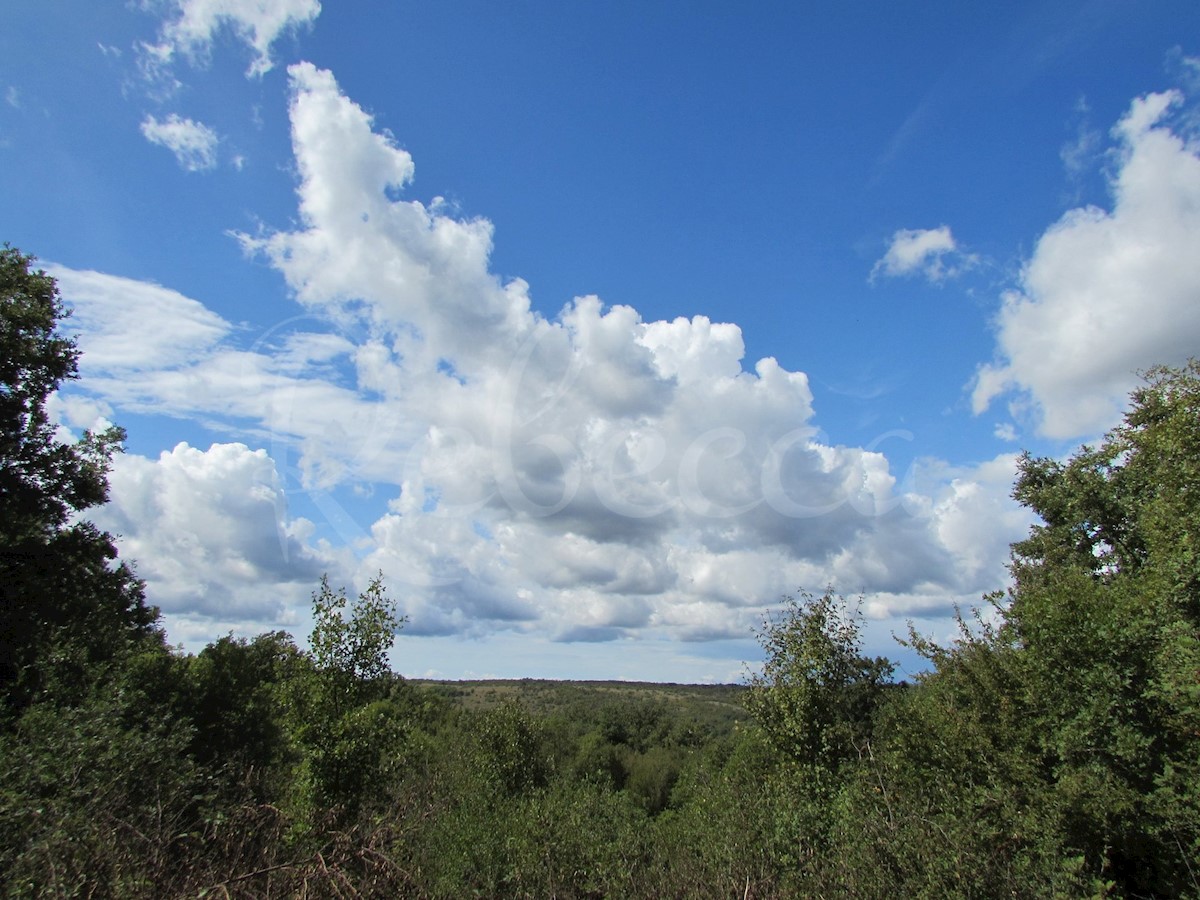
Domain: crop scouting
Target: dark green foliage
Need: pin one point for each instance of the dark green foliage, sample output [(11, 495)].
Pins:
[(652, 777), (353, 757), (94, 804), (512, 750), (600, 762), (1054, 749), (231, 695), (1106, 616), (69, 615), (951, 800), (719, 839), (66, 608), (41, 479), (637, 724)]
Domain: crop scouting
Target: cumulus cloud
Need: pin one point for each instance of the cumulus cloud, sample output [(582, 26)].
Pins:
[(587, 477), (211, 536), (1106, 292), (930, 252), (259, 23), (193, 143)]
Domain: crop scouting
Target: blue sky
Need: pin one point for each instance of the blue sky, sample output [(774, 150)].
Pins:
[(597, 326)]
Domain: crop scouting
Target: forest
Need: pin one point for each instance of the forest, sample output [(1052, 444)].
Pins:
[(1051, 749)]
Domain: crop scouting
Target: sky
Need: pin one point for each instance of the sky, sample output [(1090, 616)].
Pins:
[(597, 327)]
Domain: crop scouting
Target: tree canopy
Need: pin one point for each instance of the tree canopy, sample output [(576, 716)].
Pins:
[(1054, 747), (63, 596)]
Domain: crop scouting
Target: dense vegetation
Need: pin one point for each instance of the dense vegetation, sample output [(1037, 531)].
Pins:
[(1052, 750)]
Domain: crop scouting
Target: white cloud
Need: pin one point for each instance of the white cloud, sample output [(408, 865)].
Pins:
[(193, 143), (1005, 431), (210, 534), (259, 23), (77, 412), (923, 251), (1107, 292), (12, 97), (147, 348), (975, 516), (125, 324), (415, 264), (584, 478)]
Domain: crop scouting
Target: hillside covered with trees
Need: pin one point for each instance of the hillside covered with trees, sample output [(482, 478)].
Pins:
[(1053, 749)]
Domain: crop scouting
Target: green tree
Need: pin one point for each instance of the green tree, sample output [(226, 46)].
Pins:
[(97, 800), (512, 749), (65, 607), (352, 731), (817, 693), (1057, 750), (229, 695), (350, 643), (1106, 614), (816, 701)]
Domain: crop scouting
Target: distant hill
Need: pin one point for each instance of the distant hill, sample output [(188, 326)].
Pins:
[(717, 706)]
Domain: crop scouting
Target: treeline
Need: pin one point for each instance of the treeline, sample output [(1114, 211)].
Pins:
[(1053, 749)]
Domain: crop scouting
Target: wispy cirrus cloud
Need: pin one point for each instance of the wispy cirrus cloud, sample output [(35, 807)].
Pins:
[(135, 324), (1084, 148)]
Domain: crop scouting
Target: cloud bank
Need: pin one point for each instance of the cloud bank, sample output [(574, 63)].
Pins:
[(589, 477)]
